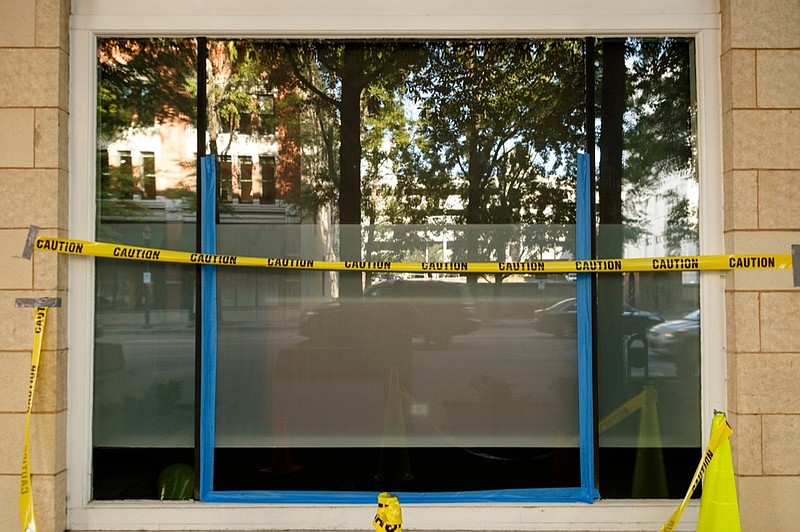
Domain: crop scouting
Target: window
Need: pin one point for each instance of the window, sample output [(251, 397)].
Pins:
[(306, 286), (509, 177)]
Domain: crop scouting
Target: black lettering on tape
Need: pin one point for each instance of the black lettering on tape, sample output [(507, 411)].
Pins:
[(751, 262)]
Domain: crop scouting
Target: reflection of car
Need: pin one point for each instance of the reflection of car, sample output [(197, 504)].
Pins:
[(676, 337), (434, 310), (560, 319)]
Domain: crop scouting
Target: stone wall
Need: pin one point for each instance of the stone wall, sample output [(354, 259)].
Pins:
[(34, 48), (761, 137)]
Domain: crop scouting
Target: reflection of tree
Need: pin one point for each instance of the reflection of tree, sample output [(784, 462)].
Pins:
[(502, 117), (347, 69), (646, 114), (143, 82)]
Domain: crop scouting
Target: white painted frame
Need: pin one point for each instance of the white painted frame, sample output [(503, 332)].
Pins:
[(377, 18)]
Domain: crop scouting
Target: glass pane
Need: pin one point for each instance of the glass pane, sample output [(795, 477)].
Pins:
[(445, 373), (407, 150), (144, 314), (648, 323)]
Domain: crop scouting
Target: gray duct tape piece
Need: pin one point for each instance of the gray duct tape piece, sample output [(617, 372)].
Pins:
[(33, 302), (796, 263), (27, 251)]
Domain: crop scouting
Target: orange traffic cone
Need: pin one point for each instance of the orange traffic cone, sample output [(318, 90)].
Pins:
[(281, 462), (719, 506)]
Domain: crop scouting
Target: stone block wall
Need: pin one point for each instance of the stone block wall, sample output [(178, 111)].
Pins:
[(761, 135), (34, 51)]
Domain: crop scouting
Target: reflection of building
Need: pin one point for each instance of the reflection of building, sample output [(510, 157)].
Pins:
[(671, 292), (147, 180)]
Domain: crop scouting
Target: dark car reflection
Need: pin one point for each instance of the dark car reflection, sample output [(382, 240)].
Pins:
[(560, 319), (433, 310), (676, 338)]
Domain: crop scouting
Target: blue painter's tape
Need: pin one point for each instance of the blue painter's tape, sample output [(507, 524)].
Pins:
[(584, 226), (208, 334)]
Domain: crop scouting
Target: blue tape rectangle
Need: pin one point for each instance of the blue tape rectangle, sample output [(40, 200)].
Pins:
[(586, 492)]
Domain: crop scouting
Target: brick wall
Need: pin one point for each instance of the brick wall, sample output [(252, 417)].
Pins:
[(33, 172), (761, 137)]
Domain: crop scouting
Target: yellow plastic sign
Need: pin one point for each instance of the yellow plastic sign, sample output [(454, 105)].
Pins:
[(25, 492), (655, 264)]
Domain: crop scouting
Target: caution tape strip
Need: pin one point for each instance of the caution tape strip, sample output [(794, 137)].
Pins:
[(718, 437), (655, 264), (25, 492)]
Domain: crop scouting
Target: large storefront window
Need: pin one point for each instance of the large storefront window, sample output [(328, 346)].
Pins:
[(438, 151)]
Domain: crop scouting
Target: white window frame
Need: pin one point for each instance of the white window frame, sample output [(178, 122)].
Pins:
[(90, 19)]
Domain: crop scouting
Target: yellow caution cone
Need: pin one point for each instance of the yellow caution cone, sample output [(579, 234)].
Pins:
[(649, 477), (389, 517), (719, 506)]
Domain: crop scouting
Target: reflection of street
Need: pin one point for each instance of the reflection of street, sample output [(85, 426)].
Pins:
[(504, 384)]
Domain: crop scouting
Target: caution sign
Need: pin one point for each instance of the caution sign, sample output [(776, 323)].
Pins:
[(658, 264)]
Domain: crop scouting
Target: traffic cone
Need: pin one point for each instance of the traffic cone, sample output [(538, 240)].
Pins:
[(719, 506), (281, 462), (649, 476), (394, 463)]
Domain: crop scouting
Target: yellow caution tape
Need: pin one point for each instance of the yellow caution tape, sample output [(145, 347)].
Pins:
[(25, 491), (718, 437), (657, 264), (624, 411)]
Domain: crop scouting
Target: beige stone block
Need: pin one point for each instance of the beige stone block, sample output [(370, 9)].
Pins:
[(741, 199), (16, 329), (769, 503), (746, 444), (47, 431), (760, 243), (17, 272), (31, 198), (780, 329), (727, 141), (14, 380), (33, 77), (51, 138), (780, 445), (725, 19), (743, 322), (17, 26), (50, 270), (16, 138), (52, 23), (766, 139), (49, 502), (51, 382), (738, 79), (779, 78), (767, 383), (764, 24), (778, 199)]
